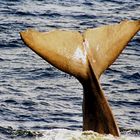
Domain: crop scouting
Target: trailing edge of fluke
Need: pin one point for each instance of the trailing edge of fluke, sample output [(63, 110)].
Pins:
[(86, 56)]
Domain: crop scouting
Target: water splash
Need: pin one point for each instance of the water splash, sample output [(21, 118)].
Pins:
[(64, 134)]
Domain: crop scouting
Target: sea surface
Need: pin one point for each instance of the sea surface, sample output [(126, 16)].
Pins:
[(39, 102)]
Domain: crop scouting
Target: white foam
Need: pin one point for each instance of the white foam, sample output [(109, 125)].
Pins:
[(64, 134)]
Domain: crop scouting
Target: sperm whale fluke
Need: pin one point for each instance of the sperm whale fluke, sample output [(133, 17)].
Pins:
[(86, 56)]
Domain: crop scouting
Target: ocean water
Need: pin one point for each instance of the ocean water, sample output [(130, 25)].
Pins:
[(39, 102)]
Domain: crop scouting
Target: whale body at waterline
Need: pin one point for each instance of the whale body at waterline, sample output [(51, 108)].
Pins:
[(86, 56)]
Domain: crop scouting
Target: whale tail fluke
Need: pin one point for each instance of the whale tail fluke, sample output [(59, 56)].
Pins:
[(103, 44), (86, 56)]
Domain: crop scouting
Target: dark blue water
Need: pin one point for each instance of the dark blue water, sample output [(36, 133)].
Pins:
[(36, 96)]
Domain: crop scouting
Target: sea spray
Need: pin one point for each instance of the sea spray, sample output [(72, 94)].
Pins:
[(64, 134)]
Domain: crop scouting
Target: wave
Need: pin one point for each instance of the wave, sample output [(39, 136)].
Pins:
[(11, 133), (65, 134), (134, 76)]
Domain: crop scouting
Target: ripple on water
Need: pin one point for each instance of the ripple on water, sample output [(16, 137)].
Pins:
[(35, 95)]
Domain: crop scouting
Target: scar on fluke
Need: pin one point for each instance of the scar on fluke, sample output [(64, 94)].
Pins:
[(86, 56)]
